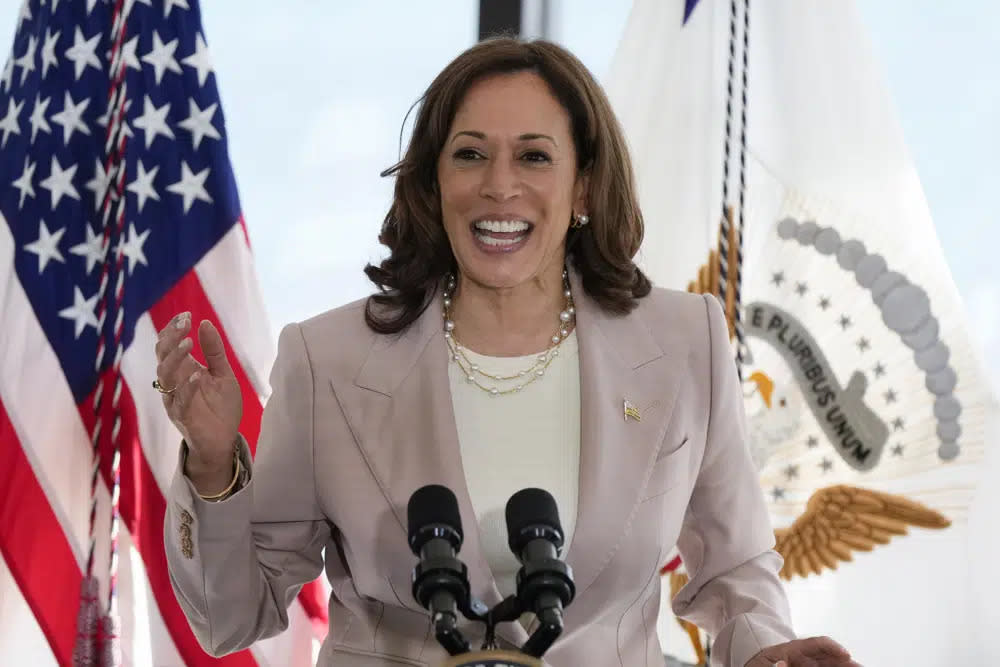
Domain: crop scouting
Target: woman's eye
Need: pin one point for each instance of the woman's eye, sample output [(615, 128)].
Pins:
[(466, 154), (536, 156)]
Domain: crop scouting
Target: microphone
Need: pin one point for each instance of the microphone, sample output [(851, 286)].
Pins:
[(544, 582), (440, 579)]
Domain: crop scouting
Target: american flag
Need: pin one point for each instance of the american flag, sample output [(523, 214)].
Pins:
[(119, 209)]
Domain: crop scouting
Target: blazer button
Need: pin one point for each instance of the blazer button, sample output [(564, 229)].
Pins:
[(185, 531), (186, 518), (187, 547)]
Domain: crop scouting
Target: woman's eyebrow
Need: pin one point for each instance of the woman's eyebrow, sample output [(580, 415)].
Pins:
[(528, 136)]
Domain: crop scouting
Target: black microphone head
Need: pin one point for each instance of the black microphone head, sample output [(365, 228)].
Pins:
[(531, 514), (429, 506)]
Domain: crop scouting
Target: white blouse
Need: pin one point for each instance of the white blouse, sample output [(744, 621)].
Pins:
[(529, 438)]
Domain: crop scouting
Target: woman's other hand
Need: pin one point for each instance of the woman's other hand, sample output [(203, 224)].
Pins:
[(810, 652)]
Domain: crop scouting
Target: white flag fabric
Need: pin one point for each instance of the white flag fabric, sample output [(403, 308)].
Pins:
[(863, 372)]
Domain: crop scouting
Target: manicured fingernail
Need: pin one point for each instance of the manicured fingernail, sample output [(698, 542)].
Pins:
[(194, 376), (186, 344), (182, 320)]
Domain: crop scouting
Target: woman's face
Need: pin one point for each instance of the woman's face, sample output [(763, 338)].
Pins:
[(508, 181)]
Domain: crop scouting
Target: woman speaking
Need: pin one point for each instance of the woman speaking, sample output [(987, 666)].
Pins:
[(511, 343)]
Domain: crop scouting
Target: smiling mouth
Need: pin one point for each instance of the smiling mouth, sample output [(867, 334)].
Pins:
[(501, 234)]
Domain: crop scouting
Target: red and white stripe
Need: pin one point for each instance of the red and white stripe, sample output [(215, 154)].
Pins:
[(45, 482)]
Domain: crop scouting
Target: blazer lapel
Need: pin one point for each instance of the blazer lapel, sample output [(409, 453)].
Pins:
[(400, 411), (619, 361)]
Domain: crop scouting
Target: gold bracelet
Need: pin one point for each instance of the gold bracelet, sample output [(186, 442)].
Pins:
[(236, 475)]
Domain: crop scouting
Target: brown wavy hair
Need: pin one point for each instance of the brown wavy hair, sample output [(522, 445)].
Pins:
[(420, 254)]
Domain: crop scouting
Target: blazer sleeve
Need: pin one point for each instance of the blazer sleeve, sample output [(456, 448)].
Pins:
[(726, 541), (236, 565)]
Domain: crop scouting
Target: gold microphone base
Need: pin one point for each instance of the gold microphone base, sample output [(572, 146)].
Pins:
[(492, 659)]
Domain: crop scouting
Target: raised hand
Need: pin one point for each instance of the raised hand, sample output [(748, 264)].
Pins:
[(204, 402)]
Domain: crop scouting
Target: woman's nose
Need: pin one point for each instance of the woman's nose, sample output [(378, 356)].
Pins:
[(500, 181)]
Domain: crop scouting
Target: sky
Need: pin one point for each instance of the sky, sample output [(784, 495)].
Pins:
[(315, 95)]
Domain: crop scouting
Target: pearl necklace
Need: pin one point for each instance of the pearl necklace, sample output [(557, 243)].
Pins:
[(473, 372)]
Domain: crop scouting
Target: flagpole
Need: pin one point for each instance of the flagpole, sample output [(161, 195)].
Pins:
[(499, 17)]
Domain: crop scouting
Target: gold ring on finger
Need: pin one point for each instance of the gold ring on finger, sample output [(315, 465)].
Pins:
[(160, 388)]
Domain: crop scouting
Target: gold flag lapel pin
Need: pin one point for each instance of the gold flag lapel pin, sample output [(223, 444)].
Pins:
[(631, 410)]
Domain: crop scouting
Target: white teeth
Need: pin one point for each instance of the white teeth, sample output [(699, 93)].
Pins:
[(490, 240), (502, 226)]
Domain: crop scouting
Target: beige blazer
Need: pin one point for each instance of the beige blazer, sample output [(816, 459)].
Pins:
[(358, 421)]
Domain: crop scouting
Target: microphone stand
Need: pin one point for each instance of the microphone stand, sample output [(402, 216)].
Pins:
[(446, 627), (506, 611), (548, 608), (550, 618)]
